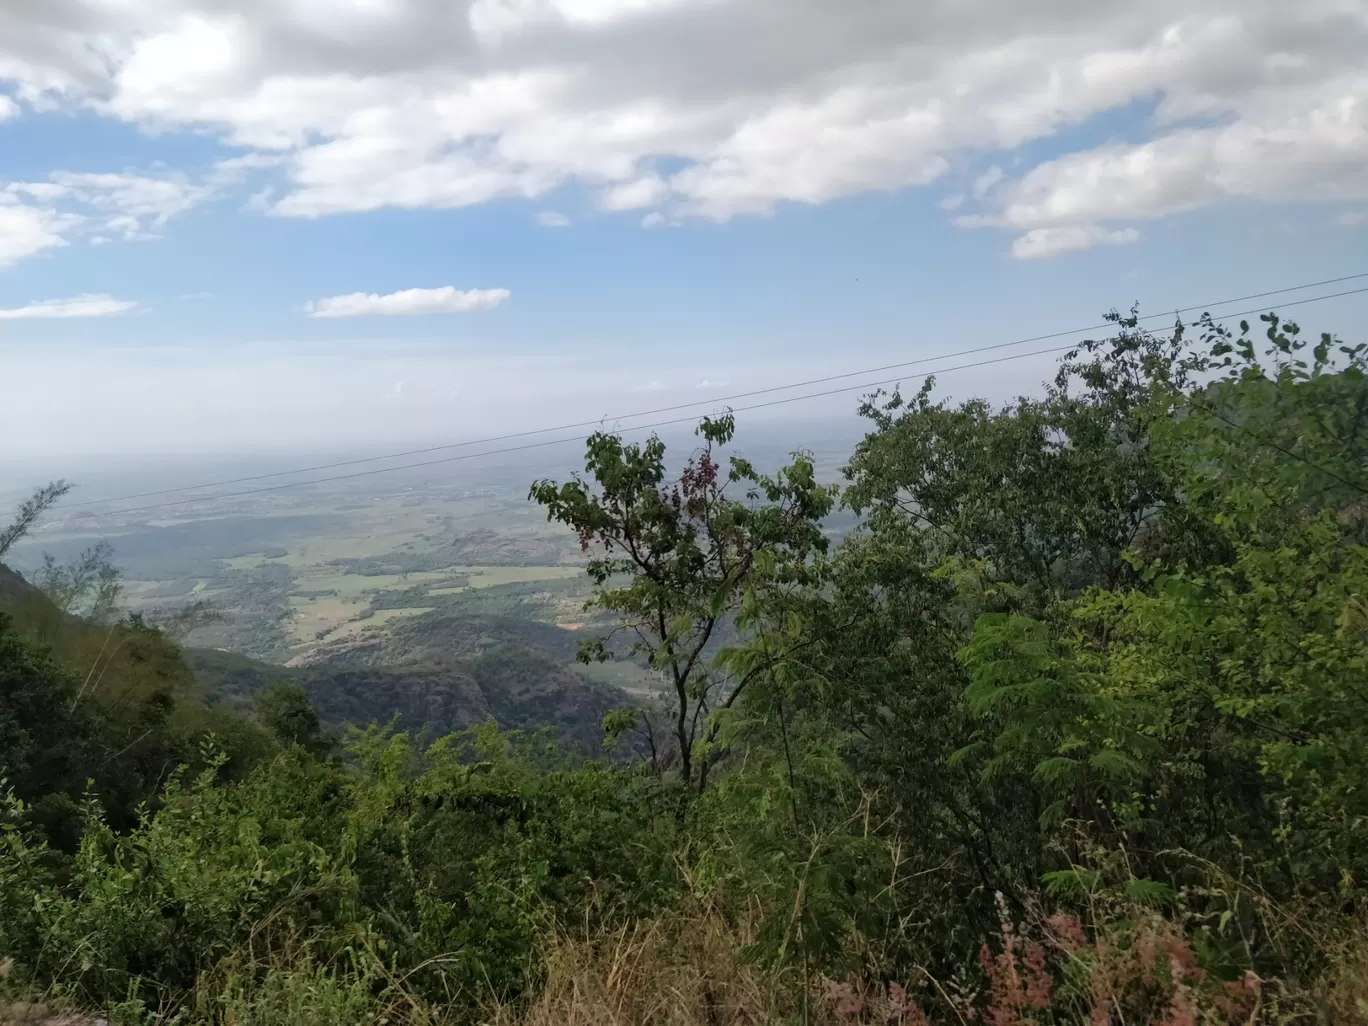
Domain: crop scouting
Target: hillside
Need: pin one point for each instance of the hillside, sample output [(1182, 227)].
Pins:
[(13, 587), (441, 675), (518, 687), (441, 636), (1065, 733)]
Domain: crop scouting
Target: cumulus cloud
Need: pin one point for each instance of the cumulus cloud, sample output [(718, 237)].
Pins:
[(1352, 219), (552, 219), (1319, 155), (26, 230), (1048, 242), (721, 108), (445, 300), (644, 192), (8, 108), (89, 305)]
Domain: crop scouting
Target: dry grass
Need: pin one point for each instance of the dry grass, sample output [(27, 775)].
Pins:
[(678, 971), (1344, 997), (691, 970)]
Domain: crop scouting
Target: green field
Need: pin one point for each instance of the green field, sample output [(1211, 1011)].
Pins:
[(294, 572), (333, 571), (493, 576)]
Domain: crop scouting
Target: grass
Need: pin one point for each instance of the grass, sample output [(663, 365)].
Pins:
[(493, 576), (340, 614), (669, 970), (340, 620), (313, 615), (379, 619), (357, 585)]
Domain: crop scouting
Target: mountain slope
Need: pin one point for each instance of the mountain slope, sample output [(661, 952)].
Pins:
[(13, 587), (441, 636), (520, 688)]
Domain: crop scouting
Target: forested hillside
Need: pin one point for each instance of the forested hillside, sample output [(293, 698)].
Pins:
[(1072, 729), (515, 686)]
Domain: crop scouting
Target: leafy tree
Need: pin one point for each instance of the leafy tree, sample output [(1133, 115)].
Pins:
[(1044, 495), (45, 744), (674, 560), (287, 712), (1216, 703)]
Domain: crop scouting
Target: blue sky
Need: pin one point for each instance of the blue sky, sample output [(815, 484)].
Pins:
[(186, 195)]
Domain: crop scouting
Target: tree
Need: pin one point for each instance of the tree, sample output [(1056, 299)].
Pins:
[(1214, 701), (29, 512), (88, 586), (1045, 493), (675, 560), (43, 739), (286, 711)]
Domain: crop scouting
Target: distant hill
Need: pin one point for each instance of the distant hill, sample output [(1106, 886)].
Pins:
[(442, 636), (453, 673), (520, 688)]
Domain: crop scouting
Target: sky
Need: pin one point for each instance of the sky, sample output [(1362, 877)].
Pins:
[(249, 225)]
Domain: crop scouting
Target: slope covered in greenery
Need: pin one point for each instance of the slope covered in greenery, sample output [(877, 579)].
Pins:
[(449, 634), (515, 686), (1072, 729)]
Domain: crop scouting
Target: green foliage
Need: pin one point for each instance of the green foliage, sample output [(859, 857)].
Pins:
[(465, 850), (1073, 725), (287, 713), (1218, 703), (677, 559), (519, 688)]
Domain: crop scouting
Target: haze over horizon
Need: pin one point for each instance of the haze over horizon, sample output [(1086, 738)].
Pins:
[(232, 227)]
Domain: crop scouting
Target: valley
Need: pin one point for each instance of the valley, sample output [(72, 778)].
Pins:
[(441, 596)]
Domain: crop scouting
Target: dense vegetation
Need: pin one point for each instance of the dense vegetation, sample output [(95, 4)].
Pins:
[(1072, 729), (516, 686)]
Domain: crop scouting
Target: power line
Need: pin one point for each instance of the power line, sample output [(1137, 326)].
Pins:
[(1278, 448), (642, 427), (713, 401), (538, 445)]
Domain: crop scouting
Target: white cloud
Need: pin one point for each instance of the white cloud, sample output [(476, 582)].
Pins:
[(1352, 219), (553, 219), (1307, 145), (644, 192), (26, 230), (1048, 242), (133, 205), (748, 103), (651, 386), (705, 383), (8, 108), (494, 20), (445, 300), (40, 215), (89, 305)]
